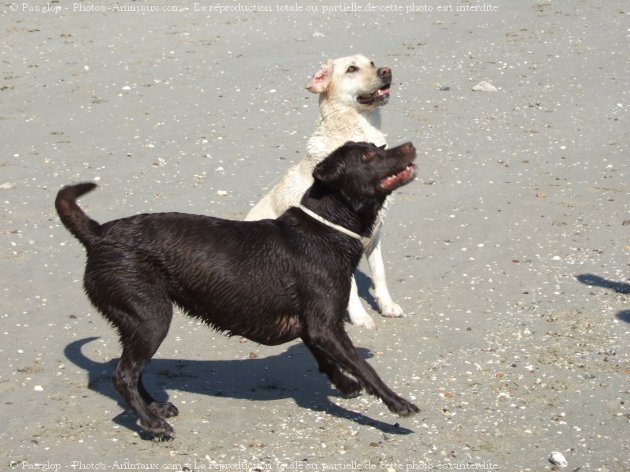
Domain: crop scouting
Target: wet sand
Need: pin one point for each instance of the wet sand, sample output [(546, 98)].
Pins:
[(509, 254)]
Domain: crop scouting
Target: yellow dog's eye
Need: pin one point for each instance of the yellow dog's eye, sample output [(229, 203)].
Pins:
[(352, 69)]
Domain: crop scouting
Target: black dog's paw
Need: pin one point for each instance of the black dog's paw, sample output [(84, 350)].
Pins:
[(158, 427), (163, 410), (404, 408), (352, 393), (348, 387), (410, 410)]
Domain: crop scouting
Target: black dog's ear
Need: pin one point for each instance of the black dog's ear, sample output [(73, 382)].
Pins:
[(330, 170), (378, 147)]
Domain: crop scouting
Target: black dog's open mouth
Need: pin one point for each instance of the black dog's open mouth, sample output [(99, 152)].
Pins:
[(401, 178), (380, 95)]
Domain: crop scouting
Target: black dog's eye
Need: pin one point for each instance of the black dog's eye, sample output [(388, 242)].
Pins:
[(367, 156), (352, 69)]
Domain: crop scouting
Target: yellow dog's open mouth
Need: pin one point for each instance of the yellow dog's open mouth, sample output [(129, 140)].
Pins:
[(380, 95)]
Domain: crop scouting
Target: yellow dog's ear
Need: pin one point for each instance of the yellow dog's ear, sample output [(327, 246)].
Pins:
[(319, 82)]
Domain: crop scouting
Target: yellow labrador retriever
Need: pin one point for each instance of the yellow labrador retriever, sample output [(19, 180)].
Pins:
[(351, 90)]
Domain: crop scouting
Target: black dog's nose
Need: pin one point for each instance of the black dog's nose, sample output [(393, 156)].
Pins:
[(385, 73), (408, 146)]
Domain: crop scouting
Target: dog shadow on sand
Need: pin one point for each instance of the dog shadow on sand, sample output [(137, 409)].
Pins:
[(291, 374), (364, 284), (597, 281), (616, 286)]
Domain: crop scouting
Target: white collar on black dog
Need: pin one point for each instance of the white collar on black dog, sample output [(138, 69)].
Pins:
[(341, 229)]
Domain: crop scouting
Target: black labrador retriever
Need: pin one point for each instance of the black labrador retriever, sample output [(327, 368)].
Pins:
[(270, 281)]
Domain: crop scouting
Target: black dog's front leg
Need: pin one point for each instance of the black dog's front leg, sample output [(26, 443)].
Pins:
[(348, 387), (334, 343)]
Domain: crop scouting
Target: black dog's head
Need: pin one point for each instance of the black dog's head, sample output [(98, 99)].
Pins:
[(363, 172)]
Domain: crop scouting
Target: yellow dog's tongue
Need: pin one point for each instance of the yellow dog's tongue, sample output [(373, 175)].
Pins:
[(380, 93)]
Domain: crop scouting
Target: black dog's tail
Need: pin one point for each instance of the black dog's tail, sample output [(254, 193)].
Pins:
[(78, 223)]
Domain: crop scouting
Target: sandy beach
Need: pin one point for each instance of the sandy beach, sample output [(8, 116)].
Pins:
[(510, 254)]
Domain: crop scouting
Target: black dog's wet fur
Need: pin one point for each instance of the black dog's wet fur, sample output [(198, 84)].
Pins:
[(270, 281)]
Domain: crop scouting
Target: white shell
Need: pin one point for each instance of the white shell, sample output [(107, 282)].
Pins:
[(557, 458), (484, 86)]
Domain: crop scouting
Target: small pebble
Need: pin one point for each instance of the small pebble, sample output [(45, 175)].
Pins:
[(222, 193)]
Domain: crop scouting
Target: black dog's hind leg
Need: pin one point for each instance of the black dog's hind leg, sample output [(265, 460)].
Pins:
[(130, 292), (348, 387), (141, 333), (335, 343)]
